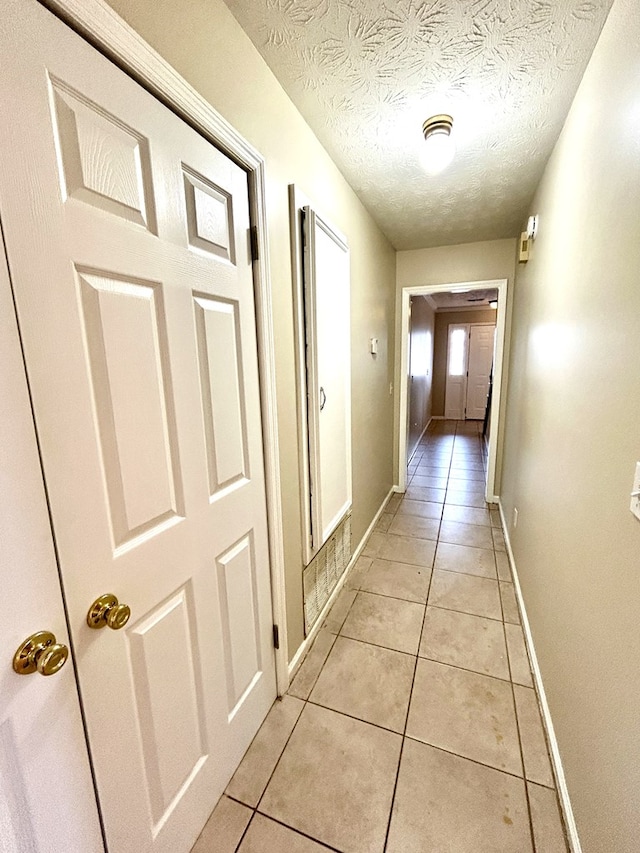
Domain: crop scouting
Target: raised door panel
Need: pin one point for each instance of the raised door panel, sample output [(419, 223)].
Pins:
[(209, 210), (124, 328), (102, 161), (237, 585), (223, 393), (166, 670)]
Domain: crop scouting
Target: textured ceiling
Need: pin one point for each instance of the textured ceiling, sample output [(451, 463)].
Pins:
[(366, 73), (457, 299)]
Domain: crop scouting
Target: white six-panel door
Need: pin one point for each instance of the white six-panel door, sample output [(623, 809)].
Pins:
[(127, 240)]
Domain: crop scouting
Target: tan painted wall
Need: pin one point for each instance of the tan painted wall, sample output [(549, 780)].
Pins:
[(573, 439), (203, 41), (443, 320), (494, 259), (420, 369)]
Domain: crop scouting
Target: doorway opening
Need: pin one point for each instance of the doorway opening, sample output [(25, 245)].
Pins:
[(472, 291)]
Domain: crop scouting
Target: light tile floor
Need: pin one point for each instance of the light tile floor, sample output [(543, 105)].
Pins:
[(412, 724)]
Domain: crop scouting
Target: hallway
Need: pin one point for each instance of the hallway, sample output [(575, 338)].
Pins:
[(409, 723)]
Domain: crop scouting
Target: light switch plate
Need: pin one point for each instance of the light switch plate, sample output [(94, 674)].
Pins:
[(635, 500)]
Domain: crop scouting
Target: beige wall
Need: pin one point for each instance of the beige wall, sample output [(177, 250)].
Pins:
[(203, 41), (494, 259), (420, 369), (443, 320), (456, 264), (573, 439)]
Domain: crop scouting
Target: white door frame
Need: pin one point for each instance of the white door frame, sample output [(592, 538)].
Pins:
[(106, 30), (501, 286)]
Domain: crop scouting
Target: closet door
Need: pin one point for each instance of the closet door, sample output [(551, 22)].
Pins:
[(328, 360), (126, 235)]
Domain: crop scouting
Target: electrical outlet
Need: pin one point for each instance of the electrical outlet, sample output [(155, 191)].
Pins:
[(635, 493), (515, 518)]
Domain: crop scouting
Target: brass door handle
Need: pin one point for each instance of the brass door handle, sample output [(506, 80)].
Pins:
[(40, 653), (107, 610)]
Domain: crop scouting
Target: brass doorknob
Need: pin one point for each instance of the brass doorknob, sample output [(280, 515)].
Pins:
[(40, 653), (106, 610)]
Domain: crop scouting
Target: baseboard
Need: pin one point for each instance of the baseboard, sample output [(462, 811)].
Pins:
[(419, 440), (556, 761), (304, 647), (438, 418)]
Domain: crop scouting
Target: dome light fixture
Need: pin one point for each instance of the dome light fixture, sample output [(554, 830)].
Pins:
[(439, 145)]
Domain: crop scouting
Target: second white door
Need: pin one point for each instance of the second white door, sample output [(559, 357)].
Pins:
[(469, 361), (126, 235), (481, 343)]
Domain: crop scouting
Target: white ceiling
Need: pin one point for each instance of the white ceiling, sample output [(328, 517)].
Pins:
[(469, 300), (366, 73)]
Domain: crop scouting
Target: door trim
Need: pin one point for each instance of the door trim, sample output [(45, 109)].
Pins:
[(501, 285), (98, 23)]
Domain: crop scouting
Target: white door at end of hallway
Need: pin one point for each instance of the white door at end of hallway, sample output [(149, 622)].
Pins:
[(126, 234), (480, 362)]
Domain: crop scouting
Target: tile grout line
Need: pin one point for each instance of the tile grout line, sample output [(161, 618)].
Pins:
[(524, 775), (282, 751), (415, 669), (474, 761), (406, 719), (307, 701), (377, 646), (466, 669), (299, 832)]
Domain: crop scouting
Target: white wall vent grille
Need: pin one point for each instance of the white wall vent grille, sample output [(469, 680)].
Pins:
[(325, 570)]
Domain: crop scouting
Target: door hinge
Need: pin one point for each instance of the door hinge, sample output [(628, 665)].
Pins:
[(276, 637), (253, 243)]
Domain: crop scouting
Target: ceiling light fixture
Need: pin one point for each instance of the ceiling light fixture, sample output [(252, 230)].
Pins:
[(493, 303), (439, 145)]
